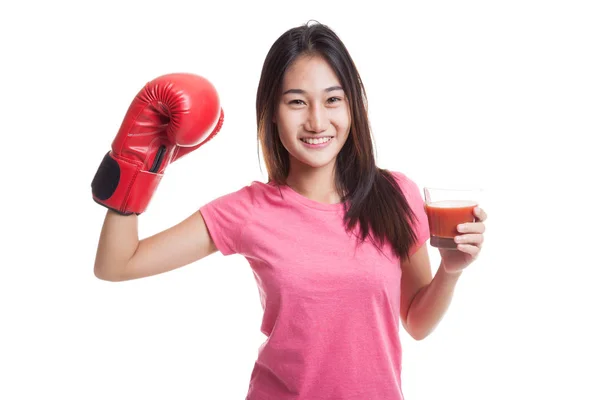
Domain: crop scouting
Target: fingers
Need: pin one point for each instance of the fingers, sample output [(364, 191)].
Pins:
[(480, 214), (471, 227), (470, 238)]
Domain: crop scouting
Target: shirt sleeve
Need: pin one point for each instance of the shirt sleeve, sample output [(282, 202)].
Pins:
[(225, 218), (417, 204)]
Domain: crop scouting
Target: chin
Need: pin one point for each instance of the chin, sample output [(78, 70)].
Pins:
[(316, 162)]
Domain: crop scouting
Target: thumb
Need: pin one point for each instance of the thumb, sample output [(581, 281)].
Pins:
[(181, 151)]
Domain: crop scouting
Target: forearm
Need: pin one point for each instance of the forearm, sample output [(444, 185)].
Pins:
[(430, 304), (118, 242)]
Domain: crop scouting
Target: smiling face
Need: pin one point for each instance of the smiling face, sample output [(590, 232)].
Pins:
[(313, 114)]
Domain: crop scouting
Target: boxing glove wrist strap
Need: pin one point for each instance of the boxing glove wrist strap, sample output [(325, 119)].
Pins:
[(123, 186)]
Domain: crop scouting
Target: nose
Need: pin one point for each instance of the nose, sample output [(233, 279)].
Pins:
[(317, 120)]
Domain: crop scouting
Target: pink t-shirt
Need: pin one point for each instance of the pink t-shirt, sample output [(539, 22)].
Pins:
[(331, 305)]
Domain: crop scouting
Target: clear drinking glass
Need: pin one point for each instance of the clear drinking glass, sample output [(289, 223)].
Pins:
[(446, 208)]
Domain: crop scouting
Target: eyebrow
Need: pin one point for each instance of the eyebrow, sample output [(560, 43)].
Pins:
[(300, 91)]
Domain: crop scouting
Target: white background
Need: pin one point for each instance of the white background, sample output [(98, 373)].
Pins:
[(504, 95)]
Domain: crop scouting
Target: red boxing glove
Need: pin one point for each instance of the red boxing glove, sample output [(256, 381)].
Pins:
[(171, 116)]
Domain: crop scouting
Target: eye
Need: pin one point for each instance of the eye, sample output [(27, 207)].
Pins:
[(296, 102), (333, 100)]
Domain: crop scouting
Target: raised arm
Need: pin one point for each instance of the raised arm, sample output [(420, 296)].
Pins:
[(171, 116), (122, 256)]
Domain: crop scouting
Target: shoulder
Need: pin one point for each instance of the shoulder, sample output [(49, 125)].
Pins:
[(409, 188), (404, 181), (250, 195)]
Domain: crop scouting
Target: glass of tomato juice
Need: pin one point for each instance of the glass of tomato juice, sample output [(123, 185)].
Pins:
[(446, 208)]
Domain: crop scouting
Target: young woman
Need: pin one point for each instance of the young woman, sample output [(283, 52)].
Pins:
[(337, 245)]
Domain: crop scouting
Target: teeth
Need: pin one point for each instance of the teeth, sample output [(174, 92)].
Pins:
[(316, 141)]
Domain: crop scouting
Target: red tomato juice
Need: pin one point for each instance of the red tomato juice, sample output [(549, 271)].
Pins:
[(443, 218)]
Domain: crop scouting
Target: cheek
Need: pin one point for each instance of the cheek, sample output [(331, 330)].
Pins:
[(341, 120), (285, 131), (288, 124), (284, 117)]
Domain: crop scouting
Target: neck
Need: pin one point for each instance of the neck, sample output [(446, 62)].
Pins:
[(317, 184)]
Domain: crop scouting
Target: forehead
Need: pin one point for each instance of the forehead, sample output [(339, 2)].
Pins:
[(310, 72)]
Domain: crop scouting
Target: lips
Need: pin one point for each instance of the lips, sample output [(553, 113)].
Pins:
[(317, 144), (316, 140)]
